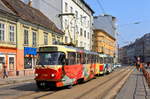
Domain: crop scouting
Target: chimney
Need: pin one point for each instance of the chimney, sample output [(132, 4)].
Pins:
[(30, 3)]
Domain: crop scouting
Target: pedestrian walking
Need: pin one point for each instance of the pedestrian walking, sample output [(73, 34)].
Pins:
[(141, 67), (138, 66), (138, 62), (5, 75)]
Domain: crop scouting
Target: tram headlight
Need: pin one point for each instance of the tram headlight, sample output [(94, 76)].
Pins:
[(52, 75), (36, 75)]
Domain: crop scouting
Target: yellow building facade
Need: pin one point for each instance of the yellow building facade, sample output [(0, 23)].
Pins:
[(104, 43), (30, 37), (21, 34), (8, 46)]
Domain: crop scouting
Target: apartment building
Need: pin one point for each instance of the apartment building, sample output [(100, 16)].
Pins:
[(74, 17), (104, 37), (139, 48)]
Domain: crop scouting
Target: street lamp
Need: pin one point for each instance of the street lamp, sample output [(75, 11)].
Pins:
[(138, 22)]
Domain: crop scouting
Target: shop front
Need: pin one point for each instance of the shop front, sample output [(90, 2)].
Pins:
[(29, 60), (8, 60)]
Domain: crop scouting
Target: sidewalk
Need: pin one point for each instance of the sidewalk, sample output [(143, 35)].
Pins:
[(16, 79), (136, 87)]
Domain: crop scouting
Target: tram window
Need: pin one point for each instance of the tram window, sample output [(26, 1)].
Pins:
[(71, 58), (51, 58), (78, 58), (101, 60), (109, 60), (105, 60), (88, 59), (62, 59), (97, 59), (92, 58), (82, 58)]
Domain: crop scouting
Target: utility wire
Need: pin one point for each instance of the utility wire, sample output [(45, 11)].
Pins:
[(101, 7), (109, 21), (103, 11), (53, 6)]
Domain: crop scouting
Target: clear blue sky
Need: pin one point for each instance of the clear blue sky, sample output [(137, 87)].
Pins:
[(127, 12)]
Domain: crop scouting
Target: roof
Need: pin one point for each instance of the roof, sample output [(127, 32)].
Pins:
[(4, 8), (87, 6), (30, 14)]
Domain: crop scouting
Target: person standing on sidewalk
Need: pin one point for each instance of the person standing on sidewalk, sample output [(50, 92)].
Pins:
[(138, 62), (5, 75), (141, 67)]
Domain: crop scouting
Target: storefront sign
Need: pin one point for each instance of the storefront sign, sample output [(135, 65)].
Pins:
[(30, 51)]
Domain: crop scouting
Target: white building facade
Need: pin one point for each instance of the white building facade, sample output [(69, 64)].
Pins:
[(74, 17)]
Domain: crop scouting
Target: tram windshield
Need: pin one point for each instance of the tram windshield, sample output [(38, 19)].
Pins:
[(50, 58)]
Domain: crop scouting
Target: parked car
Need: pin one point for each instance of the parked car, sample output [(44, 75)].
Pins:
[(117, 65)]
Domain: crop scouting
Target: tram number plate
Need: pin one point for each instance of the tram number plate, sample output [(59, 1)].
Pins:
[(45, 75)]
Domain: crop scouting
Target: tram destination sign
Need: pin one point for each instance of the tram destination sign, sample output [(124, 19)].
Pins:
[(47, 49)]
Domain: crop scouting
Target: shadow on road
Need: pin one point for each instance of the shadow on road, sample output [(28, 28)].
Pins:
[(26, 87), (33, 87)]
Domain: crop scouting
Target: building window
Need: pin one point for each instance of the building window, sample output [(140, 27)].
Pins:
[(26, 36), (81, 19), (11, 63), (58, 39), (66, 7), (34, 38), (71, 9), (66, 39), (77, 43), (2, 60), (71, 26), (28, 63), (53, 39), (84, 33), (88, 35), (66, 23), (81, 44), (85, 45), (2, 31), (76, 14), (81, 31), (88, 24), (45, 39), (12, 33)]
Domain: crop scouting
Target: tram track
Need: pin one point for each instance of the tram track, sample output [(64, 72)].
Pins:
[(36, 95), (86, 88), (104, 80), (110, 94), (103, 85)]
